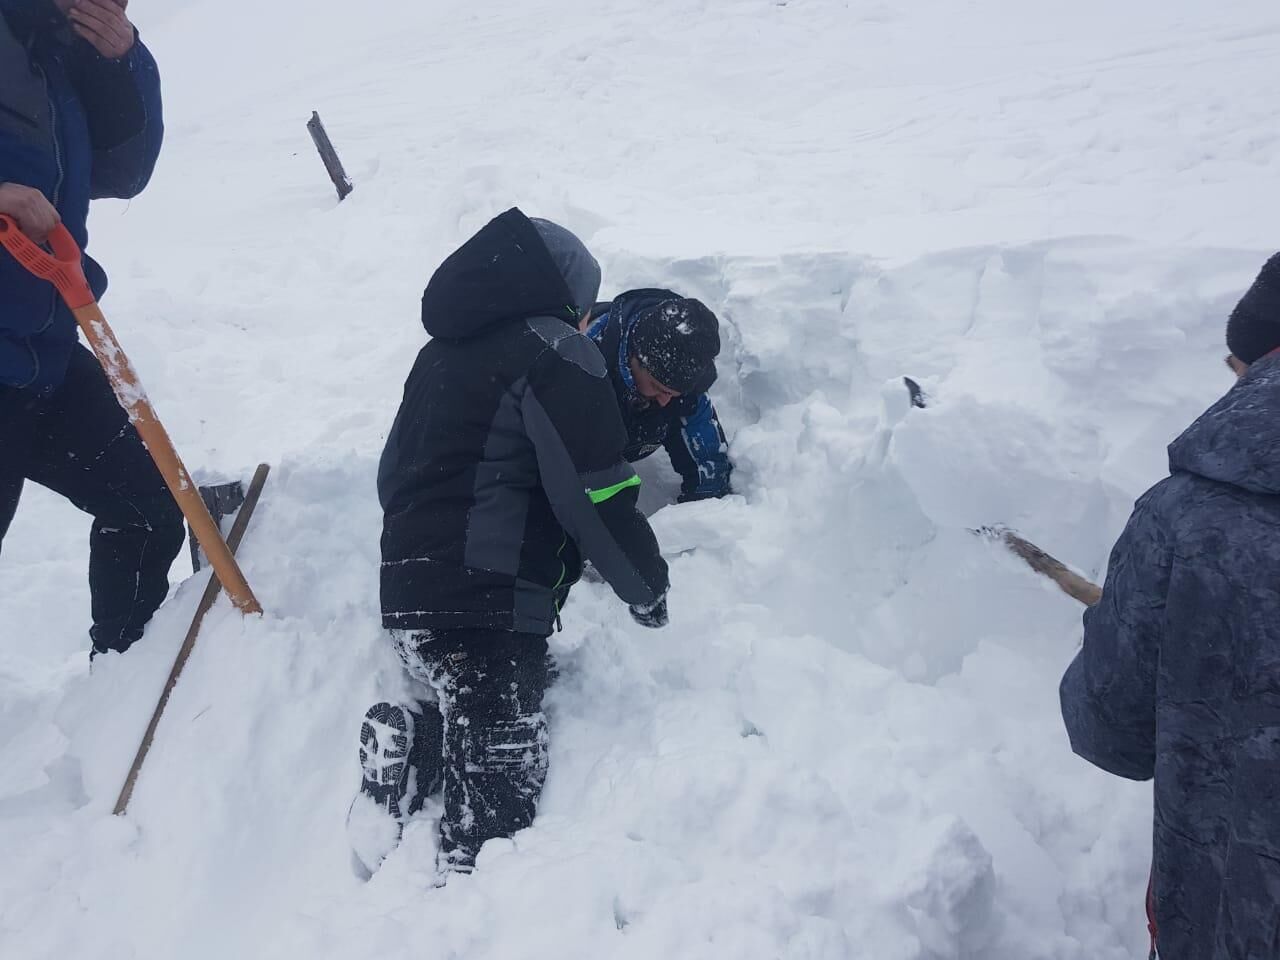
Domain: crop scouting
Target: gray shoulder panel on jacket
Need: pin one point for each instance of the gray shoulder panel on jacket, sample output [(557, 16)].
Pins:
[(577, 348)]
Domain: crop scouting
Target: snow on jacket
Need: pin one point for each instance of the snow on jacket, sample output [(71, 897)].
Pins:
[(687, 427), (1179, 676), (75, 126), (504, 465)]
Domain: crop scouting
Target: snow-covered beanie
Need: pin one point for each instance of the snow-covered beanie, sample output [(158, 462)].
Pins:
[(579, 268), (677, 342), (1254, 328)]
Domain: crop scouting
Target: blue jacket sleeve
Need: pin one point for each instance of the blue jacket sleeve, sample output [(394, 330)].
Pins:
[(122, 104), (1108, 694), (700, 453)]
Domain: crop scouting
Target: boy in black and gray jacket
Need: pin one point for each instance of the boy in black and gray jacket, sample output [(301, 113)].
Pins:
[(503, 469)]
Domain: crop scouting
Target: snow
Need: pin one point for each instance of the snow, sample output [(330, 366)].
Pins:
[(847, 742)]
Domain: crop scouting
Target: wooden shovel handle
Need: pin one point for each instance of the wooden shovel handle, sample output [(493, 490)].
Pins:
[(63, 269), (124, 381), (1068, 581)]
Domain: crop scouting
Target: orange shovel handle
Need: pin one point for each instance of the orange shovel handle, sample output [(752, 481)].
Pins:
[(62, 268)]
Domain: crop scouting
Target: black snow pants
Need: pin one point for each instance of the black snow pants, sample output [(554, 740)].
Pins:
[(78, 442), (490, 685)]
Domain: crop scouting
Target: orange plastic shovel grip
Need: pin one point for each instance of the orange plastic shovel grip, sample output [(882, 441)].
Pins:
[(62, 268)]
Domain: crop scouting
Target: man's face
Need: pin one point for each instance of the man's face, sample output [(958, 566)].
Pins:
[(1238, 366), (651, 389)]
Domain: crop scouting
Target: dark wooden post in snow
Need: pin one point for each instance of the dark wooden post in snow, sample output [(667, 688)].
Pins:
[(341, 182)]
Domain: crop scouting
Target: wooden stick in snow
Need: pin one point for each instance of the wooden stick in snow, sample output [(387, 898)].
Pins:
[(341, 182), (211, 590), (1068, 581)]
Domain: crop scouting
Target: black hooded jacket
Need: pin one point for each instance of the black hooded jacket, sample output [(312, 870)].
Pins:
[(504, 465)]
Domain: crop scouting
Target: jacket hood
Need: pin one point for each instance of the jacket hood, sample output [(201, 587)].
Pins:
[(1237, 440), (506, 273), (579, 269)]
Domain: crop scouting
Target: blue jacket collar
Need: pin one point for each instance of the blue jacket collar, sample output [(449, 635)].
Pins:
[(597, 332)]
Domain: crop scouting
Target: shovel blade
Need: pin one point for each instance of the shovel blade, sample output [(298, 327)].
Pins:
[(222, 499)]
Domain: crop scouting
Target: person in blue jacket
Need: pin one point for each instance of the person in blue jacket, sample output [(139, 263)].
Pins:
[(1179, 676), (80, 118), (661, 350)]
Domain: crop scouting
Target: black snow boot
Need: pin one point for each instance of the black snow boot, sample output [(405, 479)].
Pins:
[(401, 752)]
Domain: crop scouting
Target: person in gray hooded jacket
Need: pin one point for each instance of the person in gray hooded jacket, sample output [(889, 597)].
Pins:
[(503, 469), (1179, 676)]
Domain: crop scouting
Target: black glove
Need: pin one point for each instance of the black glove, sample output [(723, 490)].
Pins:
[(652, 615)]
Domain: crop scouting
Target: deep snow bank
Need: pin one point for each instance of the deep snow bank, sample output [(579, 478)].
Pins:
[(846, 744)]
